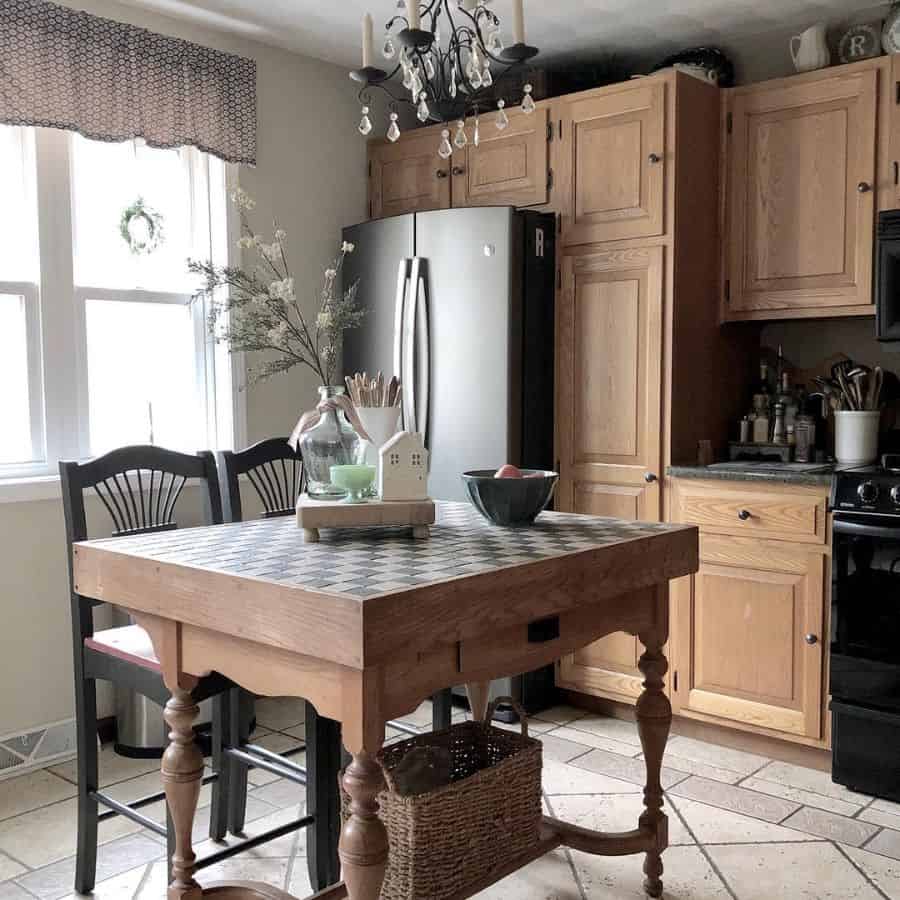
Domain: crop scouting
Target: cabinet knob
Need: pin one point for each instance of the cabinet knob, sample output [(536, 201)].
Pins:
[(649, 477), (654, 158), (458, 170), (864, 187), (441, 173), (744, 514), (811, 639)]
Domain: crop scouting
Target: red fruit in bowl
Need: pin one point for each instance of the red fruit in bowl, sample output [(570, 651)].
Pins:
[(508, 471)]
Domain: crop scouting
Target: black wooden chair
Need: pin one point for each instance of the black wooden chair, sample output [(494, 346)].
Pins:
[(140, 487), (275, 471)]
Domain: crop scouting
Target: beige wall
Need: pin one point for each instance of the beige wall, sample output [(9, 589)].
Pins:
[(311, 176)]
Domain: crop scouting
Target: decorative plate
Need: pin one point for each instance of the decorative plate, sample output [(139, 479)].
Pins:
[(890, 35), (861, 41)]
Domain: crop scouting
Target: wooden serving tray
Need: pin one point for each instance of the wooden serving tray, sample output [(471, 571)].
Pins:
[(315, 514)]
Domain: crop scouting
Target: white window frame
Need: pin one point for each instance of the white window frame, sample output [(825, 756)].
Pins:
[(56, 327)]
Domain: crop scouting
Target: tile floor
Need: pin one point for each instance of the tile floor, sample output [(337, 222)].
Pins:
[(741, 826)]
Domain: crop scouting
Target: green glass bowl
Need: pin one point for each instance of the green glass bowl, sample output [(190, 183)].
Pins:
[(355, 480)]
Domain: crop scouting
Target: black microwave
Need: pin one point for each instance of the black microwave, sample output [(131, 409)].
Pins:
[(887, 277)]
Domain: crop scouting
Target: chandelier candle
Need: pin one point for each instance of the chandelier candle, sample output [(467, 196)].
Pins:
[(367, 41), (518, 22), (412, 14)]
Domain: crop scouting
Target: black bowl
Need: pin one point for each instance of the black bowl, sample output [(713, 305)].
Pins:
[(510, 501)]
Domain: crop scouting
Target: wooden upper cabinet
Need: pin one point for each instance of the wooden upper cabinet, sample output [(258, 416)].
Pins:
[(610, 377), (408, 176), (612, 164), (748, 632), (801, 197), (507, 167)]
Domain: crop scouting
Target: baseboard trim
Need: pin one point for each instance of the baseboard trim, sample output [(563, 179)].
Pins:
[(762, 745), (36, 748)]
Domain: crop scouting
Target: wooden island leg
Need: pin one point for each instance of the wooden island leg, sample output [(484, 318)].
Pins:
[(479, 693), (654, 718), (363, 846), (182, 771)]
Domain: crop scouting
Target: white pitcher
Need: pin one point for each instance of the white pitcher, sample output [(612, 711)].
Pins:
[(810, 49)]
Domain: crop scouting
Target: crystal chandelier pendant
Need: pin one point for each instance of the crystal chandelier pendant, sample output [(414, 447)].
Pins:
[(407, 76), (476, 135), (487, 79), (429, 67), (527, 100), (416, 85), (475, 78), (365, 123), (496, 43), (460, 138), (422, 111), (453, 88), (388, 50), (502, 119), (444, 149), (393, 132)]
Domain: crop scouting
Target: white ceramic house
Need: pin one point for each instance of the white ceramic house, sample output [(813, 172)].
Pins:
[(403, 474)]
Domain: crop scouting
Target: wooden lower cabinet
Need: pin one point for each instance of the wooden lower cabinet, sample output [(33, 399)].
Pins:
[(747, 642)]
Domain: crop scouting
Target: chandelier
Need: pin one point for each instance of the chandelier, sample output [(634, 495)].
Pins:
[(450, 54)]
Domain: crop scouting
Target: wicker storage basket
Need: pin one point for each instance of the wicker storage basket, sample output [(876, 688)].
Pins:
[(445, 840)]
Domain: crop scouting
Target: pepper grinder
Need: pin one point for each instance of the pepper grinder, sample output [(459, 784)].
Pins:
[(779, 435)]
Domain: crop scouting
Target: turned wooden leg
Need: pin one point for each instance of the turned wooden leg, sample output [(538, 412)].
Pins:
[(654, 717), (182, 771), (479, 693), (363, 847)]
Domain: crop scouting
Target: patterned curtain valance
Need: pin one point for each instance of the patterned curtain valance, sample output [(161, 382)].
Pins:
[(61, 68)]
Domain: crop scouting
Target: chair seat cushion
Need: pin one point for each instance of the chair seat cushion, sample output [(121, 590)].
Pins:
[(130, 643)]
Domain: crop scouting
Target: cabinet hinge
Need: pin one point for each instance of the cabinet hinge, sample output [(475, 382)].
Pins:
[(727, 290), (729, 122), (370, 209), (549, 179), (370, 168), (558, 222), (560, 129), (558, 286), (897, 93), (675, 681), (549, 132)]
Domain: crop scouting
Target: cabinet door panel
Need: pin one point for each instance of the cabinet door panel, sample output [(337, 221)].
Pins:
[(507, 167), (801, 230), (610, 373), (610, 429), (613, 164), (408, 176), (741, 637)]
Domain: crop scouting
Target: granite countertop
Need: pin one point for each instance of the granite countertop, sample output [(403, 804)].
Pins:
[(755, 471)]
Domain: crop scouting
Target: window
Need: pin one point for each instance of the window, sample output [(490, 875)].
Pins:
[(101, 346)]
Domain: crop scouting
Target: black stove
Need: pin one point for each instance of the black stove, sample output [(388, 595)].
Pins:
[(865, 628)]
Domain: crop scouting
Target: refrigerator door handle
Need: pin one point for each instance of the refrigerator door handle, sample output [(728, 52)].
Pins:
[(402, 286), (408, 348), (423, 347)]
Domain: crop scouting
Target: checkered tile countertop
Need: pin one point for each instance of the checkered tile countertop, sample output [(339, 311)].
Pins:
[(364, 562)]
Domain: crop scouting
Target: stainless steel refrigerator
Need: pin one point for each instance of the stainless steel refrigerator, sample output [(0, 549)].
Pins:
[(460, 306)]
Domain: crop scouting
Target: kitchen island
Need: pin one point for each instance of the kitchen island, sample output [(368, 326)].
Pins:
[(368, 623)]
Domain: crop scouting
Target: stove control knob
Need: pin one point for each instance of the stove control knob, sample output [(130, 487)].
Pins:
[(895, 494), (867, 492)]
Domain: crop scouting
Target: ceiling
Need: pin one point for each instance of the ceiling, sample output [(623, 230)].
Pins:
[(330, 29)]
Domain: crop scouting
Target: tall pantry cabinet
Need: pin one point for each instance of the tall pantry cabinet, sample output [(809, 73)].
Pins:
[(644, 370)]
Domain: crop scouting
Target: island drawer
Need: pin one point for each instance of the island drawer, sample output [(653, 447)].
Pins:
[(794, 513)]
